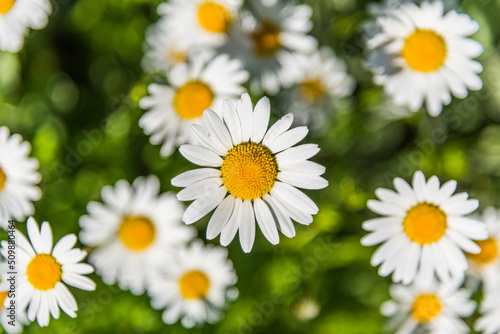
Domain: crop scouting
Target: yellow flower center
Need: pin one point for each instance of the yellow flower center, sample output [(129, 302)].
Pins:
[(6, 6), (44, 272), (426, 307), (249, 171), (192, 99), (425, 223), (312, 90), (213, 17), (194, 285), (424, 50), (176, 56), (137, 233), (489, 251), (266, 40), (3, 178), (3, 296)]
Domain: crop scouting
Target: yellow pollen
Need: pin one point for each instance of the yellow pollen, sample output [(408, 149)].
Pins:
[(44, 272), (6, 6), (3, 178), (176, 56), (425, 223), (424, 50), (489, 251), (266, 40), (249, 171), (194, 285), (213, 17), (312, 90), (3, 296), (426, 307), (192, 99), (137, 233)]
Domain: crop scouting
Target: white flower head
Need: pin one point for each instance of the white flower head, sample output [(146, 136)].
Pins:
[(18, 178), (424, 230), (258, 169), (133, 231), (194, 285), (202, 83), (43, 272), (422, 55)]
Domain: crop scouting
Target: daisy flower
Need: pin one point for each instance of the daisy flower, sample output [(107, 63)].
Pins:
[(18, 177), (133, 231), (202, 83), (423, 55), (435, 309), (424, 231), (273, 30), (43, 273), (489, 322), (11, 317), (202, 23), (258, 170), (194, 285), (17, 16), (486, 263)]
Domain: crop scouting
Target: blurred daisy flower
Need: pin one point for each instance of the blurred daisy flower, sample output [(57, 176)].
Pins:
[(315, 80), (489, 321), (433, 309), (424, 230), (259, 169), (133, 231), (18, 177), (423, 56), (202, 83), (17, 16), (9, 324), (200, 23), (194, 285), (271, 30), (43, 272), (486, 263)]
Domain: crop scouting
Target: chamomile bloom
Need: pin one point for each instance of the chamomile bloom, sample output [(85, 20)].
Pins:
[(43, 272), (133, 231), (315, 80), (489, 322), (423, 56), (273, 30), (11, 317), (424, 230), (18, 178), (434, 309), (17, 16), (204, 23), (486, 263), (202, 83), (258, 169), (194, 285)]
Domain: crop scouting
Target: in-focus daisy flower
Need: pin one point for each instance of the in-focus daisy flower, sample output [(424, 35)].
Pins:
[(315, 80), (489, 322), (258, 170), (17, 16), (272, 30), (133, 231), (423, 56), (435, 309), (424, 230), (194, 285), (18, 177), (43, 273), (200, 23), (487, 262), (11, 317), (203, 83)]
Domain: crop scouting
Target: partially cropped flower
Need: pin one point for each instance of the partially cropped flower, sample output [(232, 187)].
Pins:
[(18, 178), (17, 17), (12, 317), (202, 83), (435, 309), (422, 55), (424, 230), (43, 272), (194, 285), (133, 232), (256, 167), (489, 322)]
